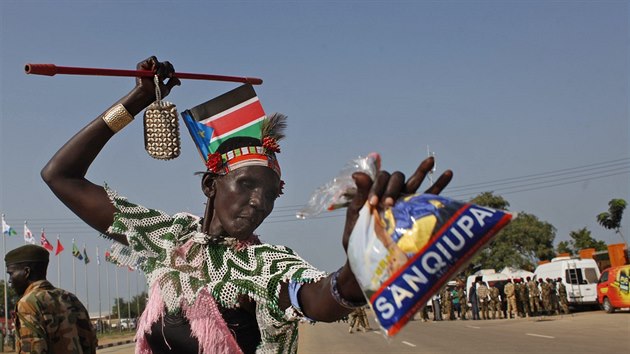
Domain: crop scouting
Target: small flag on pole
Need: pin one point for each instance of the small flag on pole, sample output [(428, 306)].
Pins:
[(59, 247), (75, 251), (6, 229), (108, 258), (28, 235), (44, 241), (86, 259)]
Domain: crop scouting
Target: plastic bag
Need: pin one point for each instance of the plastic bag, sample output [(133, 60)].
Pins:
[(340, 190), (403, 255)]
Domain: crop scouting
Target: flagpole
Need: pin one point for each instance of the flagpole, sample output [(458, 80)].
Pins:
[(4, 253), (129, 296), (109, 296), (58, 264), (118, 301), (137, 296), (98, 279), (87, 292)]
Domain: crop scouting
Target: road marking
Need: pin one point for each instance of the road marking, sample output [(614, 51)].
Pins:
[(113, 344), (539, 335), (475, 327), (409, 344)]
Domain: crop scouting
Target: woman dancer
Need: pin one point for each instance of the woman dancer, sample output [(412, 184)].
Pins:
[(214, 286)]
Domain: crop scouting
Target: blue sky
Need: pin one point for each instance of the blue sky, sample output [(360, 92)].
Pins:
[(528, 99)]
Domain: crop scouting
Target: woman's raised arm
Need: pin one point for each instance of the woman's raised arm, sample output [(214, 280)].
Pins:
[(66, 170)]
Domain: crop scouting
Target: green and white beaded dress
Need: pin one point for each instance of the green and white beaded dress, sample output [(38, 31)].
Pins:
[(174, 254)]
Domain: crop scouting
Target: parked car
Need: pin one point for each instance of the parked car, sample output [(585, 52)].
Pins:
[(613, 288), (126, 323)]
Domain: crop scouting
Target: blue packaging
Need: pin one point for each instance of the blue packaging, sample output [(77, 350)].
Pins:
[(403, 255)]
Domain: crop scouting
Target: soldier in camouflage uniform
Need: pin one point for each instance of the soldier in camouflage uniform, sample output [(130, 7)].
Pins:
[(48, 319), (554, 296), (353, 320), (545, 294), (562, 296), (447, 304), (483, 296), (365, 322), (517, 293), (495, 301), (435, 305), (359, 320), (424, 314), (534, 296), (523, 296), (510, 294), (474, 302), (463, 301)]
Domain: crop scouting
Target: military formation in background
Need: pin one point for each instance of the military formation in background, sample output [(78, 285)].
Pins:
[(517, 298), (359, 321)]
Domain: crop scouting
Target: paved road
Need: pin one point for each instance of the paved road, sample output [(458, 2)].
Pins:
[(120, 349), (584, 332)]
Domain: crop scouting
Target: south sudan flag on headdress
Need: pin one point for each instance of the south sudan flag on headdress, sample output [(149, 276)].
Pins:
[(235, 113)]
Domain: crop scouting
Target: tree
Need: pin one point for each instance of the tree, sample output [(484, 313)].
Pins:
[(123, 308), (135, 307), (611, 219), (580, 239), (490, 200), (564, 247), (138, 303), (521, 244)]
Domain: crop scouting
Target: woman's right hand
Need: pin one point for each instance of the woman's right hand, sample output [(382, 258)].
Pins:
[(164, 70)]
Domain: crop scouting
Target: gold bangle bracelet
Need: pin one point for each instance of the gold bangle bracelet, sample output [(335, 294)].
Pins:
[(117, 118)]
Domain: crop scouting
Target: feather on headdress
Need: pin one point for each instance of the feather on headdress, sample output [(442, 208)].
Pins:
[(272, 131)]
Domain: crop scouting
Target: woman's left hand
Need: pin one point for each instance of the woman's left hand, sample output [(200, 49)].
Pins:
[(317, 299), (387, 188)]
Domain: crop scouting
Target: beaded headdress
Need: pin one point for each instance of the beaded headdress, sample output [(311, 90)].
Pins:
[(237, 113)]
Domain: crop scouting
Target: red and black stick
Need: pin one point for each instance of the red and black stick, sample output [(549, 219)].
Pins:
[(52, 69)]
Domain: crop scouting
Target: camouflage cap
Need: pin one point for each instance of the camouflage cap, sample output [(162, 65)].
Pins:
[(27, 253)]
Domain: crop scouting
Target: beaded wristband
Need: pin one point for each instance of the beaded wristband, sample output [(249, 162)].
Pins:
[(294, 289), (117, 118), (334, 291)]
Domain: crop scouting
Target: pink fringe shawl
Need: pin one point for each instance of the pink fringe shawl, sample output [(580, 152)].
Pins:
[(206, 324)]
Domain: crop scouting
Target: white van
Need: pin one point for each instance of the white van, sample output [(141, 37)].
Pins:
[(578, 275), (488, 276)]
